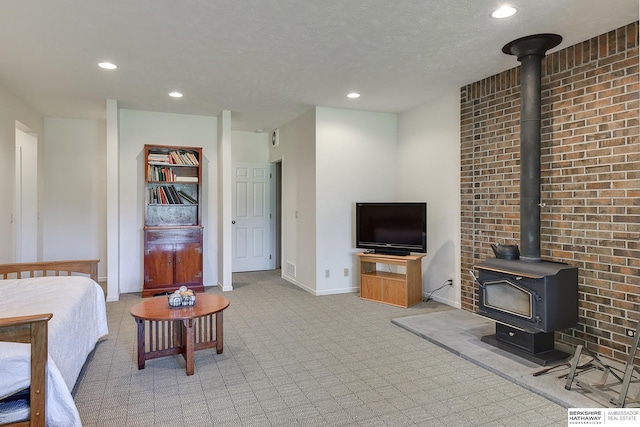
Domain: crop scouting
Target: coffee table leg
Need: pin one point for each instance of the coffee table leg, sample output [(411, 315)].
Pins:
[(190, 344), (219, 332), (140, 343)]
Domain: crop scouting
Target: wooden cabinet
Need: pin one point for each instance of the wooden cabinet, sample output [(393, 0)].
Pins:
[(401, 289), (172, 258), (371, 287), (173, 236)]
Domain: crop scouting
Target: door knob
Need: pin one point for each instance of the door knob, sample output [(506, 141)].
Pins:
[(233, 222)]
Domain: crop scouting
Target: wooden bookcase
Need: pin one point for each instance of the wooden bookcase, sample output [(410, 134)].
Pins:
[(400, 289), (173, 235)]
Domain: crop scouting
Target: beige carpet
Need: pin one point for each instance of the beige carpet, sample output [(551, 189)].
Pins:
[(294, 359)]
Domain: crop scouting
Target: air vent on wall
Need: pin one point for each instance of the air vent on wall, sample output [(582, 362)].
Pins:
[(291, 269)]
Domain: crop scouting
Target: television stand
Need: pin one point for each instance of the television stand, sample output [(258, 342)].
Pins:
[(399, 289)]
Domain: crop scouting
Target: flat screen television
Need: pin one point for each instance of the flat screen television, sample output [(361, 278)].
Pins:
[(394, 228)]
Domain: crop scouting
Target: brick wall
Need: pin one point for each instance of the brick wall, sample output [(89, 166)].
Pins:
[(590, 179)]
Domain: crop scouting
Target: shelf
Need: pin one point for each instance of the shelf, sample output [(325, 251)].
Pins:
[(173, 235), (171, 165), (195, 205), (385, 275), (154, 183)]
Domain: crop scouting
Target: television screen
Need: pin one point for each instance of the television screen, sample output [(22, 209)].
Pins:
[(396, 228)]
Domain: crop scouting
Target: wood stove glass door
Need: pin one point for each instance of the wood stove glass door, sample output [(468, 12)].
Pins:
[(504, 296)]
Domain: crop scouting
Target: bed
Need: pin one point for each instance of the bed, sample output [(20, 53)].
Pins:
[(52, 314)]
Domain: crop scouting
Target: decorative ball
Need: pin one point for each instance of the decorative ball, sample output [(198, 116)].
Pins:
[(182, 297), (175, 300)]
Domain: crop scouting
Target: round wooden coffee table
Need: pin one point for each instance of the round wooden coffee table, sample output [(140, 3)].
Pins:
[(165, 330)]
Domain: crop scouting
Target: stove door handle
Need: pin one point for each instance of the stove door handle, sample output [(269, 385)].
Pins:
[(475, 279)]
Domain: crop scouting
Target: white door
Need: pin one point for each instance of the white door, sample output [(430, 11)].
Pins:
[(26, 212), (252, 217)]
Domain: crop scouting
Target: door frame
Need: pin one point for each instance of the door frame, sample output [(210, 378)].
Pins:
[(270, 194), (25, 212)]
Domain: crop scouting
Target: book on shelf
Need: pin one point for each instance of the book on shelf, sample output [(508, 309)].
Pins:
[(194, 159), (166, 174), (177, 158), (174, 195), (162, 198), (173, 157), (158, 158), (158, 173), (168, 195), (187, 198), (153, 199), (179, 178)]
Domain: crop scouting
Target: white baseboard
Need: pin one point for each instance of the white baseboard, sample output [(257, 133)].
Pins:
[(446, 301), (291, 279), (225, 288)]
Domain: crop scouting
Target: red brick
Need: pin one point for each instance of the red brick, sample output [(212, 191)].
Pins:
[(590, 178)]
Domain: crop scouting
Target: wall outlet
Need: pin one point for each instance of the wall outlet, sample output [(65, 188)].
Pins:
[(327, 274), (450, 282), (631, 333), (346, 272)]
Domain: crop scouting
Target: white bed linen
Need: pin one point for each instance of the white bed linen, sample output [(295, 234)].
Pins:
[(79, 321)]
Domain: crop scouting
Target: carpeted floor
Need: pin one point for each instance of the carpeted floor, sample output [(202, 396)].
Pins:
[(294, 359)]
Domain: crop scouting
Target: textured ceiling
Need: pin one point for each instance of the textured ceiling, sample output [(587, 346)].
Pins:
[(270, 60)]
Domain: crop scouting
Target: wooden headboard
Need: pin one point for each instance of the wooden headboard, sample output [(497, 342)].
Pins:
[(49, 268)]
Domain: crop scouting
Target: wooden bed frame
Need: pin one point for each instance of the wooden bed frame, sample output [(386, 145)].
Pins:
[(33, 329), (43, 268)]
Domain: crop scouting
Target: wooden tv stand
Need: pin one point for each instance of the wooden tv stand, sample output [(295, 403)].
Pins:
[(402, 290)]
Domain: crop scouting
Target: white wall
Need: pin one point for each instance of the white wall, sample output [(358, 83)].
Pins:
[(331, 159), (356, 161), (74, 209), (297, 154), (321, 151), (13, 109), (429, 170), (249, 147), (138, 128)]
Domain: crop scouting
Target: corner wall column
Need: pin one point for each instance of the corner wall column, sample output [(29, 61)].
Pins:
[(113, 197), (225, 246)]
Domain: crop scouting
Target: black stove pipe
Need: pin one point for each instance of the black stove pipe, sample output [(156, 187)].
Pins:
[(530, 50)]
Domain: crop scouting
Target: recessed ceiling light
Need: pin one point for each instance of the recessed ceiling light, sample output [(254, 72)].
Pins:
[(353, 95), (504, 12), (107, 65), (175, 94)]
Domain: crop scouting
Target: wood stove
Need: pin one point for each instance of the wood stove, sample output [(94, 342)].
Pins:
[(528, 298), (528, 301)]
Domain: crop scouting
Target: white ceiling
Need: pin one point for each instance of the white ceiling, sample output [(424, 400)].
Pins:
[(270, 60)]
